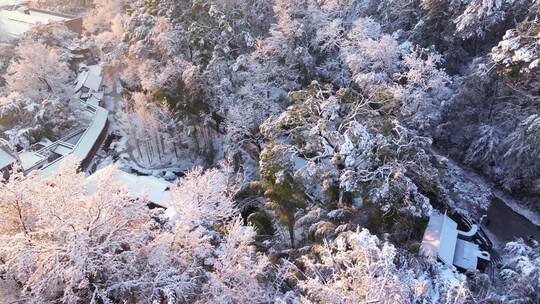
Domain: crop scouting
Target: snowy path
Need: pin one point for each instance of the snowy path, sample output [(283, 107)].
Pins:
[(507, 225)]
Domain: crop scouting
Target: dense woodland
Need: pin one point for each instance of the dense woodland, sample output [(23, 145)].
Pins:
[(313, 138)]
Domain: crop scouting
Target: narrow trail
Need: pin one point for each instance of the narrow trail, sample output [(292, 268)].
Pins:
[(506, 224)]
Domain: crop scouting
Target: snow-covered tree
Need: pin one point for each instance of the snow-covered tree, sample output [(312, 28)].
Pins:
[(102, 16), (68, 239), (203, 197), (63, 244), (425, 89), (522, 145), (7, 51), (329, 108), (151, 131), (358, 268), (435, 8), (74, 7), (285, 195), (36, 100), (55, 35), (518, 58), (237, 271), (484, 149), (26, 121), (38, 72), (521, 272), (210, 251), (19, 214), (370, 54), (324, 150), (483, 16)]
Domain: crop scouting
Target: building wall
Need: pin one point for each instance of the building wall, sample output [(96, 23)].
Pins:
[(75, 25)]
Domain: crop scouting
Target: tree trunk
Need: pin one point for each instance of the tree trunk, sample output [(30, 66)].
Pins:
[(138, 146), (175, 151), (291, 234), (148, 154)]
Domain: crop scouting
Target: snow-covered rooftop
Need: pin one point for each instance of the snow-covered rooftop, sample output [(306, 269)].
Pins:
[(30, 159), (6, 158), (90, 78), (87, 141), (432, 237), (467, 254), (14, 23), (91, 135), (95, 99), (156, 190), (442, 241)]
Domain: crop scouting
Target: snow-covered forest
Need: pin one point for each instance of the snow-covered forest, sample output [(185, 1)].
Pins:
[(303, 149)]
